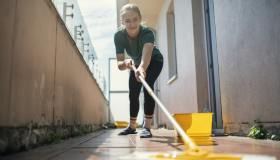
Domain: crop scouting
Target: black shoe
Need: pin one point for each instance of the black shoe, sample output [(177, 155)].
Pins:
[(127, 131), (146, 133)]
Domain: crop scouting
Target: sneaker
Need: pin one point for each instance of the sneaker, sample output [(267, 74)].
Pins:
[(146, 133), (127, 131)]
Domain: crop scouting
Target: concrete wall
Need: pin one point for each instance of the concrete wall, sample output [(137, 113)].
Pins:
[(248, 38), (43, 77), (179, 96), (7, 22)]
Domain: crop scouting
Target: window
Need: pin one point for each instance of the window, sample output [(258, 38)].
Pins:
[(172, 60)]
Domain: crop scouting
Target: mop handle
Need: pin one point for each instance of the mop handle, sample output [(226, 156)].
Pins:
[(181, 132)]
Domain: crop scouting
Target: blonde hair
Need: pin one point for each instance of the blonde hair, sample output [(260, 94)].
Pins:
[(130, 7)]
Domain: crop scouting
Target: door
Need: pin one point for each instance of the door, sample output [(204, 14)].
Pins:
[(213, 66)]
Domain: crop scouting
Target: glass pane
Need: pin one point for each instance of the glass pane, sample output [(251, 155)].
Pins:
[(119, 105), (118, 79)]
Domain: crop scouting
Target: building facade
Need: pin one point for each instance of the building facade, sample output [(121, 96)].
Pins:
[(221, 57)]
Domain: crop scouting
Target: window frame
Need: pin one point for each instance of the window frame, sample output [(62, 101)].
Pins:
[(171, 44)]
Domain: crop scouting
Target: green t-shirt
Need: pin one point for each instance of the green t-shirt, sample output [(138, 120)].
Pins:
[(134, 46)]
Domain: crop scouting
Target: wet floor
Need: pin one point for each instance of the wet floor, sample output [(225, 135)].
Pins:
[(107, 145)]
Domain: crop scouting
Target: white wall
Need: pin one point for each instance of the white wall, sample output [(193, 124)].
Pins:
[(180, 96)]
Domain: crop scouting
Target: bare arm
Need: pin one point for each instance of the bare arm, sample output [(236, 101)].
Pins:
[(146, 55), (145, 61)]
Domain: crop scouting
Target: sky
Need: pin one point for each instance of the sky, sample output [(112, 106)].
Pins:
[(101, 20), (100, 17)]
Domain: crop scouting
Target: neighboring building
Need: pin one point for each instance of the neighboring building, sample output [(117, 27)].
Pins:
[(220, 56)]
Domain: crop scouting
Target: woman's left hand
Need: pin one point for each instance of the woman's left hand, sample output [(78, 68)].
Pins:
[(140, 71)]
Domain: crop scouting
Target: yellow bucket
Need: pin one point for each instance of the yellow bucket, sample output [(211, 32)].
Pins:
[(195, 124), (121, 124)]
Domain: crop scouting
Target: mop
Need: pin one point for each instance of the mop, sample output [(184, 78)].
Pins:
[(192, 152)]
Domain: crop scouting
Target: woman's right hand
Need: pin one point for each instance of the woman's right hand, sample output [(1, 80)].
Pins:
[(128, 63)]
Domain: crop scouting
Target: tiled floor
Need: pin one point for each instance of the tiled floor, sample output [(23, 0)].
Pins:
[(107, 145)]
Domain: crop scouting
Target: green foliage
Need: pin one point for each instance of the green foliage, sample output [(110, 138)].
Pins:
[(54, 137), (257, 131)]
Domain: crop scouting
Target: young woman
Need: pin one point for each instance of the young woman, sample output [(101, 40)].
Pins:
[(138, 42)]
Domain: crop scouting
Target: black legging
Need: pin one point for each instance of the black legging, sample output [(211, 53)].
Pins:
[(152, 74)]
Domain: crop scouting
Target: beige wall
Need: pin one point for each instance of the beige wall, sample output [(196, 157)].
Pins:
[(7, 15), (149, 12), (44, 79)]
